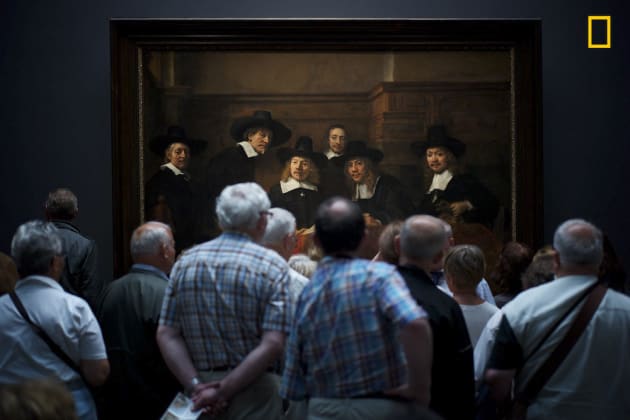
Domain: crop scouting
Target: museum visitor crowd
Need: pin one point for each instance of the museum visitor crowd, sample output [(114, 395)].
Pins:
[(331, 296)]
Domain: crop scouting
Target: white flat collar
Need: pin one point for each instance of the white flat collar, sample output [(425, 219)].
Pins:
[(440, 181), (248, 148), (330, 154), (293, 184), (173, 168)]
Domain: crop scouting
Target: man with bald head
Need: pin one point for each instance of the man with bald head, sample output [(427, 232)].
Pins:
[(140, 384), (591, 381), (421, 246), (359, 347)]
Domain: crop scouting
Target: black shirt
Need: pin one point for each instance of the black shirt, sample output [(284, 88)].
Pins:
[(452, 374)]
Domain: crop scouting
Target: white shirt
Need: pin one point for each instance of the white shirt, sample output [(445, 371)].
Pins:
[(440, 181), (293, 184), (295, 284), (66, 318), (248, 148), (484, 345), (592, 381), (483, 290), (476, 317)]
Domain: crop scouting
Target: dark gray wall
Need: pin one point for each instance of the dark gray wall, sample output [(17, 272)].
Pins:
[(55, 112)]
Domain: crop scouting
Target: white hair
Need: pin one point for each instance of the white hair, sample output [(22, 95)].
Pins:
[(239, 206), (34, 245), (148, 238), (279, 224), (303, 264), (578, 242)]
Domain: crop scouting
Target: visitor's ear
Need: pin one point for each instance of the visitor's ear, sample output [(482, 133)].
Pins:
[(287, 243), (261, 225), (556, 260), (397, 244)]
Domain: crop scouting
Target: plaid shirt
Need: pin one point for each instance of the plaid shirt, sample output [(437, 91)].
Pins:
[(222, 295), (344, 337)]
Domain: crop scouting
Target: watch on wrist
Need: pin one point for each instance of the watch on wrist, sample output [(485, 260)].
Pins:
[(192, 384)]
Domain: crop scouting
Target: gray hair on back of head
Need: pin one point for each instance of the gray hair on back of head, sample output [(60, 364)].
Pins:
[(279, 224), (239, 206), (425, 241), (578, 242), (34, 245), (148, 238)]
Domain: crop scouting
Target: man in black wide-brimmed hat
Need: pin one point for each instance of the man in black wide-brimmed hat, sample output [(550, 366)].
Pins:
[(452, 195), (382, 197), (298, 189), (254, 134), (169, 195)]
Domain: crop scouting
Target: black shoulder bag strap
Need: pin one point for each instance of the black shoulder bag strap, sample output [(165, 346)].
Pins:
[(42, 334), (542, 375)]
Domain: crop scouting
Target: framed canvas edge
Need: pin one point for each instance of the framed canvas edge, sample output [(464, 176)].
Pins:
[(521, 37)]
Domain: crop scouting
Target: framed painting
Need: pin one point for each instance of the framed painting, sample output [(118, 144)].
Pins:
[(391, 85)]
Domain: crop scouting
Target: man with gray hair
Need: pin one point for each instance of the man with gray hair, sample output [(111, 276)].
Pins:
[(227, 311), (421, 246), (591, 379), (140, 385), (280, 236), (66, 319), (79, 276)]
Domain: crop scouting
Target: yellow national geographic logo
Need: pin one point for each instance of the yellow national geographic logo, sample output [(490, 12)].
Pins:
[(590, 31)]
